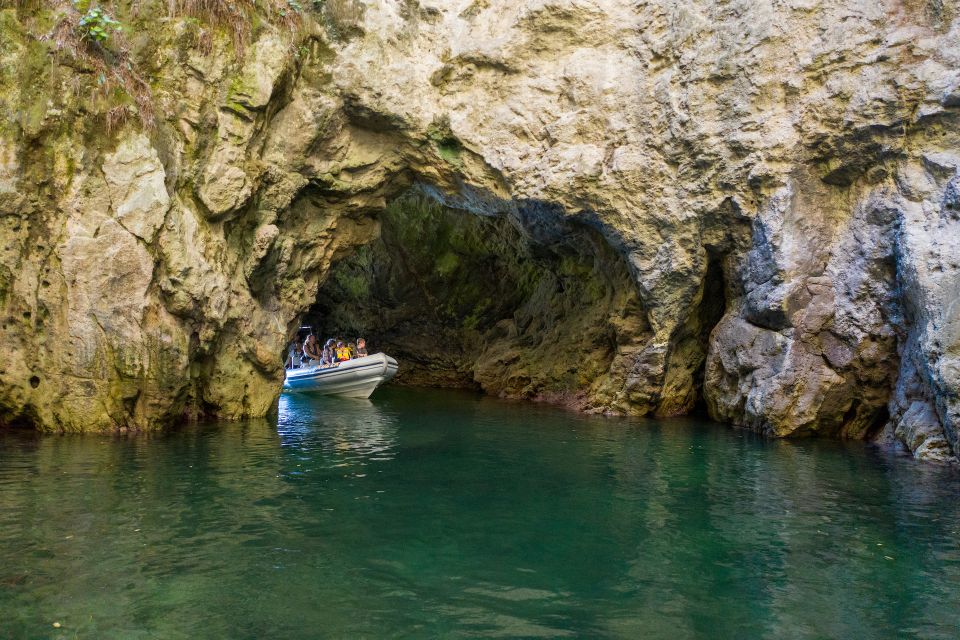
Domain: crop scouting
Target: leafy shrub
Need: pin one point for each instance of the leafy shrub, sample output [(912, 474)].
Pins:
[(96, 24)]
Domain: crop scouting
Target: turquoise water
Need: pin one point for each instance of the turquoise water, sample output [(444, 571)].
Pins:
[(429, 514)]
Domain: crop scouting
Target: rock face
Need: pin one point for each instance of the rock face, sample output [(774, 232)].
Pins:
[(780, 181)]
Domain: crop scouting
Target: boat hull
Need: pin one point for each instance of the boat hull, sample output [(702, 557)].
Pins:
[(355, 378)]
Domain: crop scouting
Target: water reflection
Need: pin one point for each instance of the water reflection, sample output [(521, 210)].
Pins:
[(425, 514), (347, 427)]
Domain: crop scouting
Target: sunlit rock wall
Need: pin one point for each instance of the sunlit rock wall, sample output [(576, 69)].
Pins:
[(800, 157)]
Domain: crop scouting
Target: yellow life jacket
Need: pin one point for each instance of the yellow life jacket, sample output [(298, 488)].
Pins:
[(343, 353)]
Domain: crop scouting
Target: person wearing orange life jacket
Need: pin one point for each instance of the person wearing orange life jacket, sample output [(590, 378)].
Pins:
[(343, 353)]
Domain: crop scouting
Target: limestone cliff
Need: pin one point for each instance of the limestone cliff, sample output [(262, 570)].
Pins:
[(780, 180)]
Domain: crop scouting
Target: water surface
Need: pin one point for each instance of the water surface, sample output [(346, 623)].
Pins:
[(440, 514)]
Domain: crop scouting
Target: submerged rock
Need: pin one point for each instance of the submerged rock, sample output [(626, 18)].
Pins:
[(778, 185)]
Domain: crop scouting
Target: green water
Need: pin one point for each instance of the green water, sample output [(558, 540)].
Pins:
[(435, 514)]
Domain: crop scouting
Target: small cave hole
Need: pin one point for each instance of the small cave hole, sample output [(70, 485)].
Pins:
[(878, 421), (713, 306), (130, 403), (34, 381), (851, 414)]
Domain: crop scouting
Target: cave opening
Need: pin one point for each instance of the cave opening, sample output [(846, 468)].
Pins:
[(532, 305)]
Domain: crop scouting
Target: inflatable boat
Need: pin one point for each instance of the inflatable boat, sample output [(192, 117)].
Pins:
[(355, 378)]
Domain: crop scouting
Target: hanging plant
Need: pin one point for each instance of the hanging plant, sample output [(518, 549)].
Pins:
[(96, 24)]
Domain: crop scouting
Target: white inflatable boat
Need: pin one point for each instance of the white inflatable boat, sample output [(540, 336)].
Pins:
[(355, 378)]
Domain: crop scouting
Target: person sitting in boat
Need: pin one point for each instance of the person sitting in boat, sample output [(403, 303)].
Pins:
[(361, 347), (343, 353), (311, 350), (329, 354), (352, 348), (328, 358), (294, 356)]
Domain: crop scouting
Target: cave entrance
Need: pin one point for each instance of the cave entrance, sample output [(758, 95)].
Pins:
[(470, 301)]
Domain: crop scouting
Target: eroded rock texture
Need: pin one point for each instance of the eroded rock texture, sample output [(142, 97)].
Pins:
[(780, 179)]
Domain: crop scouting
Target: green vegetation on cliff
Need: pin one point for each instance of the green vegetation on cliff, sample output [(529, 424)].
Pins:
[(109, 56)]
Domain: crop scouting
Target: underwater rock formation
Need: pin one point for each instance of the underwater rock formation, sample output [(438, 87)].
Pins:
[(779, 180)]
